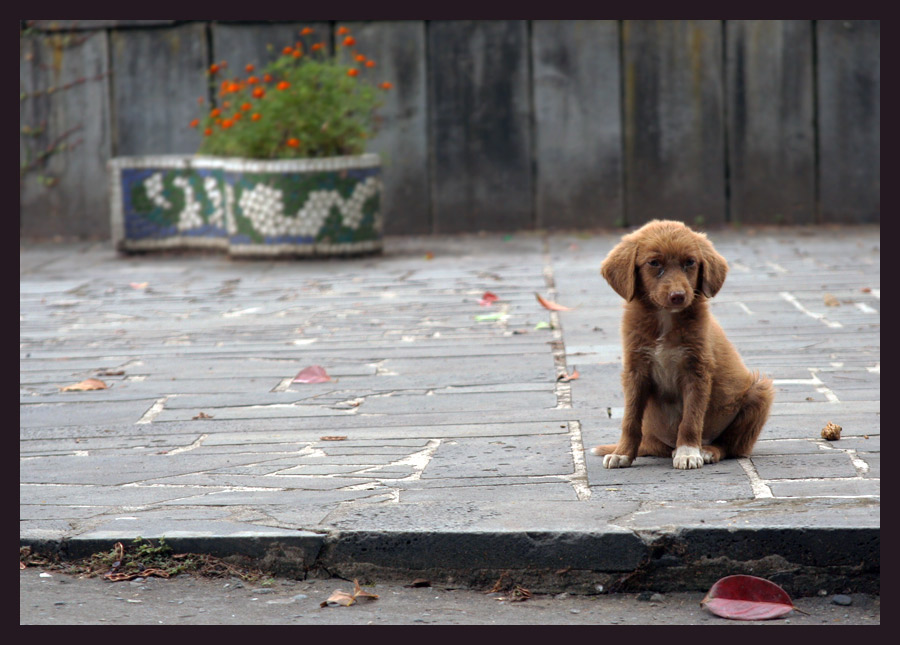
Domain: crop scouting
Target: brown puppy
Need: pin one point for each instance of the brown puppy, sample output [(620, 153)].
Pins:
[(687, 392)]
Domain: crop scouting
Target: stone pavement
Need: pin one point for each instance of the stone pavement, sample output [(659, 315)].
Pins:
[(444, 443)]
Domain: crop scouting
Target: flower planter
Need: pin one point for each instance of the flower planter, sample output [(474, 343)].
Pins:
[(247, 207)]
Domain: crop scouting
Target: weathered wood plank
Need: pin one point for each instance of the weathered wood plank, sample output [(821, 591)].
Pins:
[(260, 44), (771, 141), (479, 120), (158, 74), (849, 92), (398, 49), (673, 121), (65, 194), (577, 120)]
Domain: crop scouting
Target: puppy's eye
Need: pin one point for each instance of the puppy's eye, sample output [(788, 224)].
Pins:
[(654, 263), (689, 263)]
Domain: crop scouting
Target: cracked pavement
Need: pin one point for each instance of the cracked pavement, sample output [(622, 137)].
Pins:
[(444, 419)]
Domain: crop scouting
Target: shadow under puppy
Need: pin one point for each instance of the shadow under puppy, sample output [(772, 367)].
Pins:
[(688, 395)]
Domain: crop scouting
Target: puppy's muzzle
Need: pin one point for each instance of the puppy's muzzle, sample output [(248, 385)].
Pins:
[(677, 298)]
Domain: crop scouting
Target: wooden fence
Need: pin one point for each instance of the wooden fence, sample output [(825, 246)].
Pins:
[(498, 125)]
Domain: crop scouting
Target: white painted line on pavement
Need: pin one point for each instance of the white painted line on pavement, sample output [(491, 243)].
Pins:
[(154, 411), (820, 317), (760, 489)]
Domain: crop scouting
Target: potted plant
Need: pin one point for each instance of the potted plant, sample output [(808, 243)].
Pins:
[(281, 170)]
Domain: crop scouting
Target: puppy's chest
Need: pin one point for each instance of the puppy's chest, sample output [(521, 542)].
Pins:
[(666, 365)]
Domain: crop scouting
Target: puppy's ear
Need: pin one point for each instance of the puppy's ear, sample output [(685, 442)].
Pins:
[(713, 269), (619, 268)]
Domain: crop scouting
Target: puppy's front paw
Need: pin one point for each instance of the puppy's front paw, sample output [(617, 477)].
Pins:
[(616, 461), (687, 457), (709, 457)]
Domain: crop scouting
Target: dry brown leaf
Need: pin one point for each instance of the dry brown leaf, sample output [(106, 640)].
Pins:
[(359, 592), (831, 431), (332, 438), (831, 301), (89, 384), (343, 599), (340, 598), (202, 415)]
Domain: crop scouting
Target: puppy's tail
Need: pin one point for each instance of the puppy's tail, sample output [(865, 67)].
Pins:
[(606, 449)]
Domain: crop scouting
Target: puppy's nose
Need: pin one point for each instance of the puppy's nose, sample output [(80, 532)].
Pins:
[(676, 298)]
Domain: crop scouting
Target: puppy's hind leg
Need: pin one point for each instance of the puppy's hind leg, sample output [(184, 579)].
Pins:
[(650, 447), (738, 438)]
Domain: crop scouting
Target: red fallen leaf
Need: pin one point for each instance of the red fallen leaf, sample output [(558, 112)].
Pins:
[(552, 306), (312, 374), (89, 384), (487, 299), (747, 598)]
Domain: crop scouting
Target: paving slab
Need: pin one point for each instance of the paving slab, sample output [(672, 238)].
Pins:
[(444, 444)]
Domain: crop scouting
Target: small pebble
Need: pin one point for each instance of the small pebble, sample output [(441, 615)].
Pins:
[(657, 597), (574, 611), (823, 592), (841, 599), (59, 602), (645, 595), (300, 596)]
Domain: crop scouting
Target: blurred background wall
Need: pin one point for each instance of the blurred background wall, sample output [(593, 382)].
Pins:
[(495, 125)]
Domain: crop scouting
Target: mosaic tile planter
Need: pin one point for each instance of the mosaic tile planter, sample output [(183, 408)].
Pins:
[(247, 207)]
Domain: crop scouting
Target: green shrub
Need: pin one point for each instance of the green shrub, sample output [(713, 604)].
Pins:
[(303, 104)]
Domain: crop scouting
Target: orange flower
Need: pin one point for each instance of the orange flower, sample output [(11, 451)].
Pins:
[(195, 123), (361, 58), (256, 116), (283, 85), (293, 143), (213, 68), (246, 107), (226, 104), (216, 112), (342, 30), (258, 92), (352, 71), (297, 53), (306, 31), (252, 80), (318, 46), (250, 69), (207, 132), (237, 116), (287, 50), (386, 85), (370, 63), (227, 123), (349, 41), (234, 87), (267, 78)]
